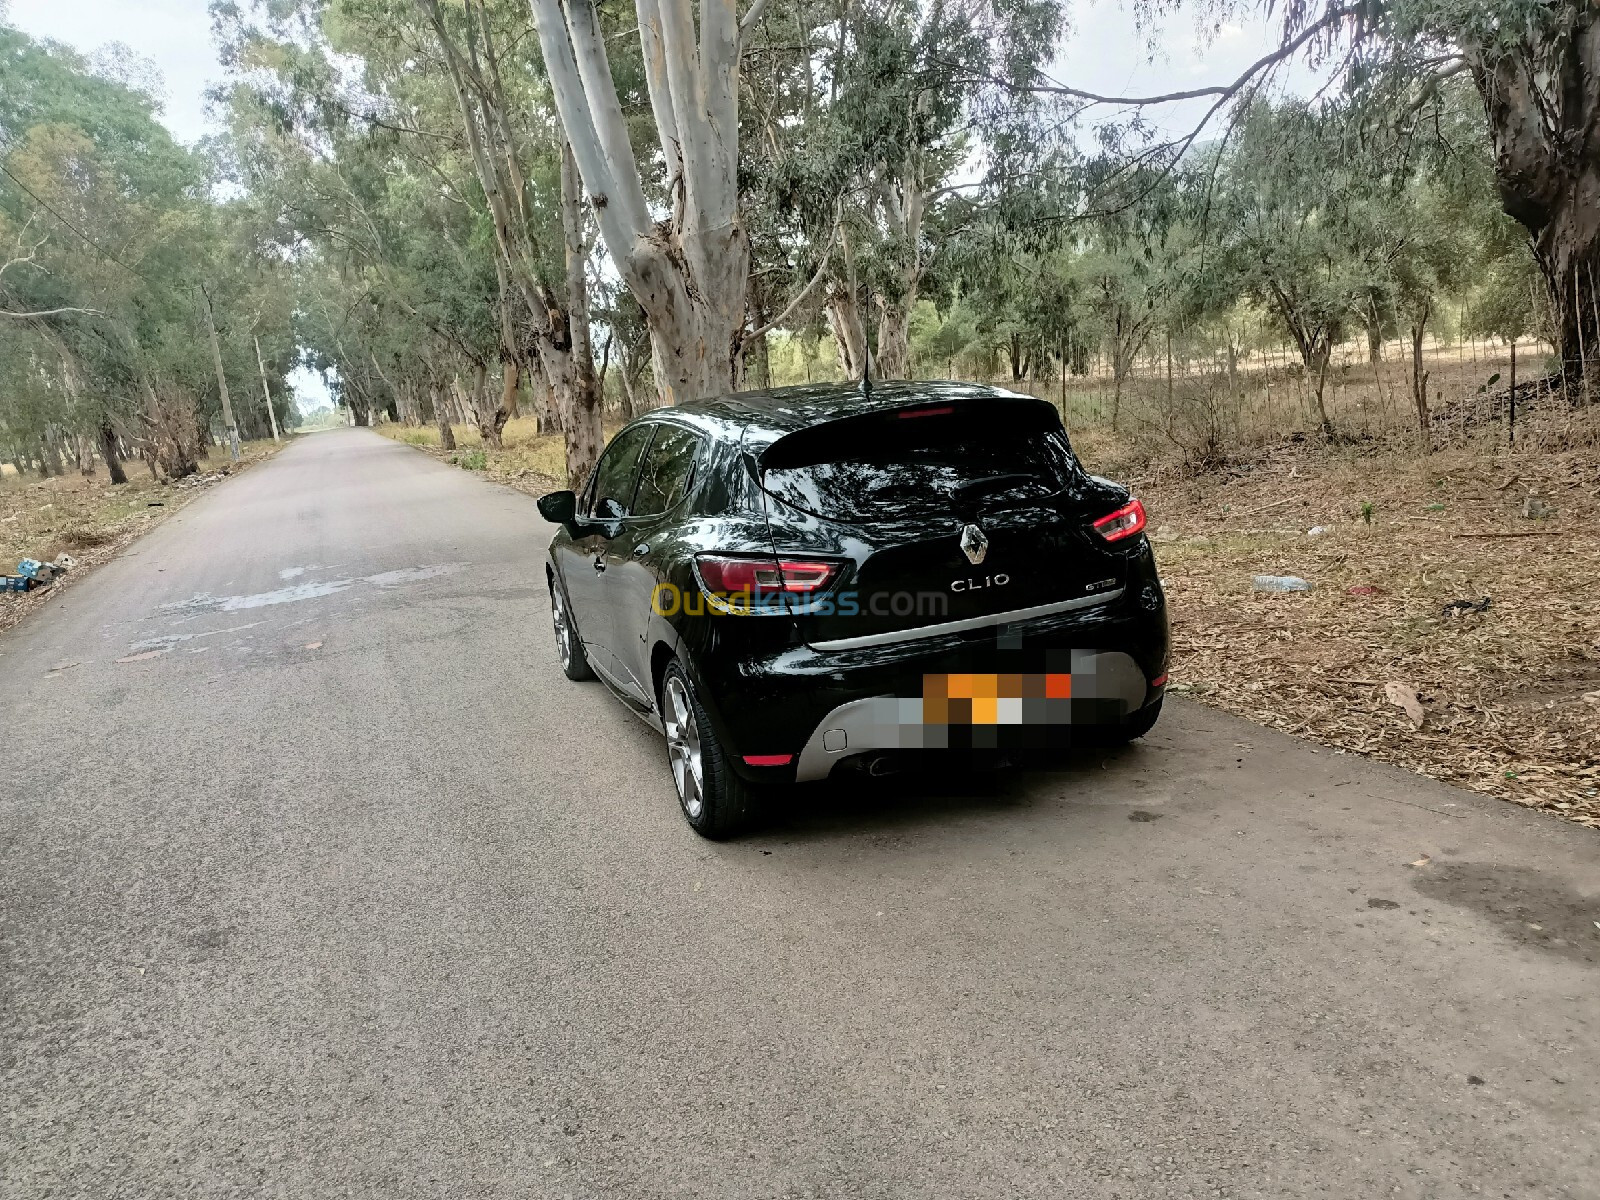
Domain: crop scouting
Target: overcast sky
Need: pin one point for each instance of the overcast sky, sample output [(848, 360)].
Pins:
[(1104, 54)]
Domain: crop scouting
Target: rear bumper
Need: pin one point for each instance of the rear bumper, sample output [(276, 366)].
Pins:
[(821, 707), (1107, 686)]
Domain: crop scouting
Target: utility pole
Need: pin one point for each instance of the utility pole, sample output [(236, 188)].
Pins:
[(222, 378), (272, 417)]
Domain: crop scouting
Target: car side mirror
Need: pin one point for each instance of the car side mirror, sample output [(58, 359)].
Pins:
[(559, 508)]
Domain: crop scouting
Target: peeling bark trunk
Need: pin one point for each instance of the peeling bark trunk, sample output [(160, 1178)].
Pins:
[(893, 360), (108, 451), (758, 361), (1419, 379), (903, 203), (581, 430), (580, 419), (441, 416), (492, 419), (171, 453), (689, 272), (1542, 102), (849, 331)]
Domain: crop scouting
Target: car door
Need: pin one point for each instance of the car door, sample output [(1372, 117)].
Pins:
[(635, 561), (607, 502)]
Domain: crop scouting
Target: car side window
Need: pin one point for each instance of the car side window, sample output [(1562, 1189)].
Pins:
[(615, 475), (667, 469)]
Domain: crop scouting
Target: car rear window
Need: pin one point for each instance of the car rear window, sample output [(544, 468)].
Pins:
[(915, 468)]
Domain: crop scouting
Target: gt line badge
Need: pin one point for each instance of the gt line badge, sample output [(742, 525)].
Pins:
[(974, 544)]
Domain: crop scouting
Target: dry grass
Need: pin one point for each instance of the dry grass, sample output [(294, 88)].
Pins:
[(89, 519), (530, 462), (1512, 694)]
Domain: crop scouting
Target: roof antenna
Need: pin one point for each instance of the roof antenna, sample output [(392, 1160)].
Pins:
[(866, 342)]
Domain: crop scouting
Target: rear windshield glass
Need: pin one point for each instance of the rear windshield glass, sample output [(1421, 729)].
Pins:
[(912, 469)]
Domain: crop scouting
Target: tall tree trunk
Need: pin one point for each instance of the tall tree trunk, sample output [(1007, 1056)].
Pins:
[(580, 422), (849, 331), (492, 413), (903, 201), (1542, 101), (441, 417), (688, 272), (545, 407), (758, 361), (1321, 357), (230, 428), (266, 392), (893, 359), (170, 422), (1511, 398), (630, 401), (108, 451), (1419, 379)]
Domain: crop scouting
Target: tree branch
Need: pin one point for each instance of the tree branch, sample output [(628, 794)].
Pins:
[(1223, 91), (799, 298), (49, 312), (752, 18)]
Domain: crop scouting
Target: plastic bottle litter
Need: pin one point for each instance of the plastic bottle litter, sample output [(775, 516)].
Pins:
[(1281, 583)]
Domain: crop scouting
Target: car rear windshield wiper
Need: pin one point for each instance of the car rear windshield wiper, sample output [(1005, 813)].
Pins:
[(974, 489)]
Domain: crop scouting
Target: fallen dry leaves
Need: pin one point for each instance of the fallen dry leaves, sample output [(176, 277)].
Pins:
[(1378, 659)]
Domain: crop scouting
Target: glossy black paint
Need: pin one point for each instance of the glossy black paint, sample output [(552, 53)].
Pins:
[(762, 680)]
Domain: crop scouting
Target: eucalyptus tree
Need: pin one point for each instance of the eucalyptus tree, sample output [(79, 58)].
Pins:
[(1303, 225), (105, 209), (918, 118), (1535, 65)]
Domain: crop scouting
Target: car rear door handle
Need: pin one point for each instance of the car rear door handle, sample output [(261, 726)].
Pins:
[(599, 563)]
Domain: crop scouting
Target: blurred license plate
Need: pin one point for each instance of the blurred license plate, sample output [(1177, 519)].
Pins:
[(1001, 699)]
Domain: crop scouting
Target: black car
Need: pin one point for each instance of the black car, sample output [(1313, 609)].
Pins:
[(785, 581)]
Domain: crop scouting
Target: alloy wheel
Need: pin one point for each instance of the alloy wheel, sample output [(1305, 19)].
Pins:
[(563, 626), (683, 747)]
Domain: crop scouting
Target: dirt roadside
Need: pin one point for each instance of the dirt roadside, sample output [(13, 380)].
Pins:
[(92, 521)]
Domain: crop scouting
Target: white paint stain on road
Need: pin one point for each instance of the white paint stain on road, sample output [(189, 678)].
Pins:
[(310, 590), (411, 574), (288, 595)]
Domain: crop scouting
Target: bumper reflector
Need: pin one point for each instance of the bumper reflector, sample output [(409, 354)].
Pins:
[(1159, 681), (768, 760)]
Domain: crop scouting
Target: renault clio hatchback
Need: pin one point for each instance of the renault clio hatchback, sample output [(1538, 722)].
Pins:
[(784, 582)]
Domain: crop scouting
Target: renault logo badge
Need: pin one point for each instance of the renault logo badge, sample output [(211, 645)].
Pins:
[(974, 544)]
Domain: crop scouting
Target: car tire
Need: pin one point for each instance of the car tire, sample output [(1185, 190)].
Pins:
[(714, 800), (1141, 723), (569, 646)]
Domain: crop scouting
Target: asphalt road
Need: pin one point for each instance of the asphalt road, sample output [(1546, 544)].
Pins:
[(345, 891)]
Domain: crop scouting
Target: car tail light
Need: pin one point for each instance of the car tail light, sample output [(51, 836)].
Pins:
[(732, 574), (1124, 523)]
